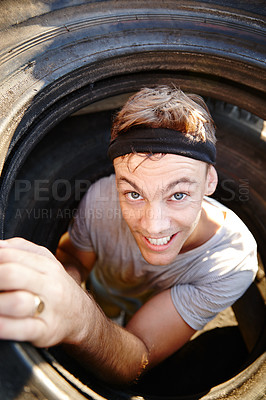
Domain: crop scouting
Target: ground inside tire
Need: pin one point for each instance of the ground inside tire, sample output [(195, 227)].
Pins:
[(210, 359)]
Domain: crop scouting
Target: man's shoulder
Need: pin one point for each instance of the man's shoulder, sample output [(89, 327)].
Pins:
[(102, 203), (103, 191), (103, 184), (233, 228)]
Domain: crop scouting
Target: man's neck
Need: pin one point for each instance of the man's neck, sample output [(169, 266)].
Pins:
[(211, 220)]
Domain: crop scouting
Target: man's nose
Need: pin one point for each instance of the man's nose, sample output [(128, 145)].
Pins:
[(155, 220)]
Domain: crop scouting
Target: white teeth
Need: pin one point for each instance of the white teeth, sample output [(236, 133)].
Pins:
[(159, 242)]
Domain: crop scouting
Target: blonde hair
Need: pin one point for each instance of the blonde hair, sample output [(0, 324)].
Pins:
[(166, 107)]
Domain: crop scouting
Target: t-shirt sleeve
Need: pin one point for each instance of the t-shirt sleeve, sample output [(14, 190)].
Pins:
[(94, 216), (78, 229), (199, 304)]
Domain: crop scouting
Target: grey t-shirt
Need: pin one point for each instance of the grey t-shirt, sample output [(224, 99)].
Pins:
[(203, 281)]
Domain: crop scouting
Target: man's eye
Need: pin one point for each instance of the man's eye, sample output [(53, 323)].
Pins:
[(134, 196), (178, 196)]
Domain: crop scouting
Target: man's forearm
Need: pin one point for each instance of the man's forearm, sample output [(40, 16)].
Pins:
[(108, 350)]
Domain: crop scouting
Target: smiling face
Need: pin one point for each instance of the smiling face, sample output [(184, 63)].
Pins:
[(161, 201)]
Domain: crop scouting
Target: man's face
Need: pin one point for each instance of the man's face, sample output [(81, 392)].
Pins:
[(161, 199)]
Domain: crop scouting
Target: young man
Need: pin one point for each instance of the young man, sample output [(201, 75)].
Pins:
[(148, 238)]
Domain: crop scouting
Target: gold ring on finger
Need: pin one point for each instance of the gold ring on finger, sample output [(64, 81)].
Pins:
[(38, 306)]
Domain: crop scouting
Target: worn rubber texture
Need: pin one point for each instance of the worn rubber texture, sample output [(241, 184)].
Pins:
[(44, 218), (59, 56)]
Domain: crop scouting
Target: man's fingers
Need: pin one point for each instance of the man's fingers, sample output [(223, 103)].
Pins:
[(23, 244), (17, 304), (15, 276), (52, 293), (21, 329), (31, 260)]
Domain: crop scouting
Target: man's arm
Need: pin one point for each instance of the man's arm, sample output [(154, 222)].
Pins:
[(144, 324), (77, 263), (72, 317), (120, 355)]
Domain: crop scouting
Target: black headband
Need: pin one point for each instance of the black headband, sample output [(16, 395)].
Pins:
[(159, 140)]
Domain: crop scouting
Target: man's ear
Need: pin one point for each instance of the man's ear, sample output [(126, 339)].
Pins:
[(211, 181)]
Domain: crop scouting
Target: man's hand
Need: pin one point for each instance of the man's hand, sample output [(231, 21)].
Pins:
[(27, 270), (72, 317)]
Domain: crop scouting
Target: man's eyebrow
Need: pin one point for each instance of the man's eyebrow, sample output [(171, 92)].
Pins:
[(170, 185), (133, 184)]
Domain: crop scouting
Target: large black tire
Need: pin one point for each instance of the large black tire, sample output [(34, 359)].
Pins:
[(59, 57)]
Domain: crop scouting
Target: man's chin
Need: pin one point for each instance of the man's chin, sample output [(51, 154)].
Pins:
[(158, 259)]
